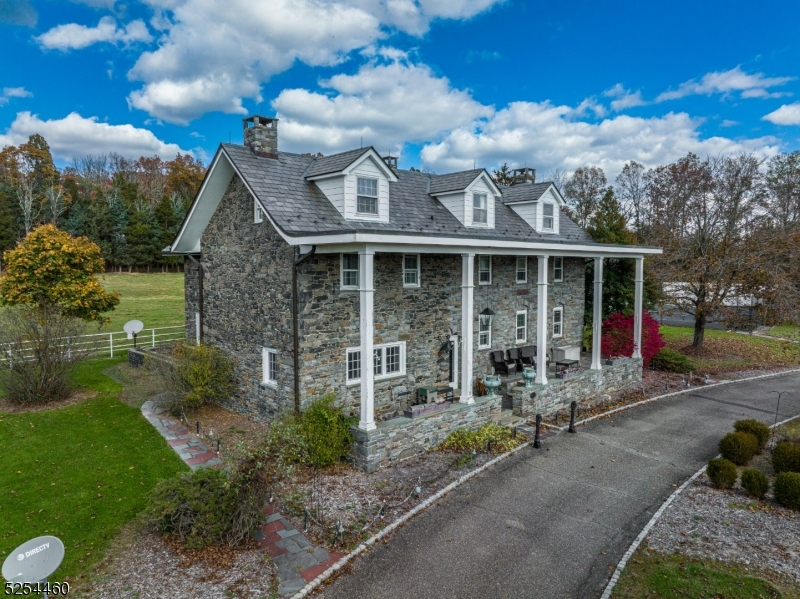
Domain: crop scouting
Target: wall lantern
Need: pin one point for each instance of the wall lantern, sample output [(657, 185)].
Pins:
[(487, 316)]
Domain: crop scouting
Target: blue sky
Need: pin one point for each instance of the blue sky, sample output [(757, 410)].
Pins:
[(442, 83)]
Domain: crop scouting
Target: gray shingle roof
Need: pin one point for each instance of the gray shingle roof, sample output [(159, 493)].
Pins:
[(298, 207), (524, 193), (335, 162), (453, 181)]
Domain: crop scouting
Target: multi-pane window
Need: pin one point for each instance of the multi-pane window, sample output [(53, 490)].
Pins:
[(480, 213), (558, 322), (258, 214), (387, 361), (522, 269), (558, 269), (367, 198), (484, 331), (522, 326), (350, 270), (411, 270), (269, 366), (547, 217), (484, 270)]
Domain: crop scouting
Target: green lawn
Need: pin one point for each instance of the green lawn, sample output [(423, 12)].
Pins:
[(723, 351), (155, 299), (787, 331), (79, 473), (653, 575)]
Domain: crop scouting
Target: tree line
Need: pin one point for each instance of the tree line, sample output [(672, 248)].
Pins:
[(130, 208)]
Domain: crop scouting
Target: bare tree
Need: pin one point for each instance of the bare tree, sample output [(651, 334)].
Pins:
[(632, 190), (92, 167), (54, 198), (28, 203), (783, 182), (559, 178), (583, 192)]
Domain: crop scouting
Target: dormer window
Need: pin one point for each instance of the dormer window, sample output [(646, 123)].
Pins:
[(480, 213), (547, 216), (367, 199)]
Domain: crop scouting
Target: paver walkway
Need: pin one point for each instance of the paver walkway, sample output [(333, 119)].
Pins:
[(298, 561)]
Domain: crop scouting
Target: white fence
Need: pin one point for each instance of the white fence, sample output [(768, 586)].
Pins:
[(111, 343)]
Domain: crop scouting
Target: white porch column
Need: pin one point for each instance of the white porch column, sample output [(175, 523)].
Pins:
[(366, 293), (467, 321), (541, 320), (637, 308), (597, 319)]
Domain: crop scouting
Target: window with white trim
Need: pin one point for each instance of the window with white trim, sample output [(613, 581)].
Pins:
[(410, 270), (558, 269), (349, 271), (548, 218), (269, 366), (480, 211), (258, 213), (522, 326), (484, 331), (484, 270), (388, 360), (522, 269), (367, 198), (558, 322)]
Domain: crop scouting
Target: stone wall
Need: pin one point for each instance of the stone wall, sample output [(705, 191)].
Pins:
[(247, 300), (558, 394), (191, 293)]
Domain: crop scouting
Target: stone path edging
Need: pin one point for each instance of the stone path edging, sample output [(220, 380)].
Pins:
[(188, 446), (307, 589), (638, 540), (673, 394)]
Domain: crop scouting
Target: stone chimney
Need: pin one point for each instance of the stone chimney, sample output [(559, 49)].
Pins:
[(391, 161), (261, 135), (522, 176)]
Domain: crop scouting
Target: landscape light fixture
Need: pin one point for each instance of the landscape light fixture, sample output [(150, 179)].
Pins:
[(487, 315)]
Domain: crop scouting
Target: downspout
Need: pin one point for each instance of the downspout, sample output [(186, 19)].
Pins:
[(296, 323), (199, 292)]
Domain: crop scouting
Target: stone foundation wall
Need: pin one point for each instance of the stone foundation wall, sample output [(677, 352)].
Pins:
[(401, 438), (558, 394), (191, 292)]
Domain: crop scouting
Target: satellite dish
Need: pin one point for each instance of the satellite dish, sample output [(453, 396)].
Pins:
[(34, 560), (133, 327)]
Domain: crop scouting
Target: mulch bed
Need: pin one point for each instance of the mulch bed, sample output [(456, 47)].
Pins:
[(9, 407)]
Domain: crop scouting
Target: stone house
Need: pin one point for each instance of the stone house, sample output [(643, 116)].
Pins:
[(300, 265)]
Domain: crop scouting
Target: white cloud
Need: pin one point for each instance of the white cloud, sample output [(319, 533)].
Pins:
[(386, 104), (728, 123), (17, 12), (72, 36), (624, 98), (724, 82), (13, 92), (788, 114), (75, 135), (214, 54), (546, 136)]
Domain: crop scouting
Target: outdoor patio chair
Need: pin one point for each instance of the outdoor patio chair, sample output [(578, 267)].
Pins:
[(514, 356), (500, 364), (527, 356)]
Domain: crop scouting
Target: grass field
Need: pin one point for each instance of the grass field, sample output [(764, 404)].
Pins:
[(653, 575), (787, 331), (155, 299), (80, 472), (723, 351)]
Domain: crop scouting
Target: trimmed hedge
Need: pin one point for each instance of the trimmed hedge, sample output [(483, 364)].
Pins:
[(755, 483), (756, 428), (670, 360), (739, 448), (786, 457), (722, 473), (787, 489)]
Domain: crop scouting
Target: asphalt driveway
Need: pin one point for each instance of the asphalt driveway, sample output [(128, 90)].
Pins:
[(554, 522)]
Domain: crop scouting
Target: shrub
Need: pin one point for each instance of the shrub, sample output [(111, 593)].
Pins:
[(489, 437), (326, 432), (617, 337), (787, 489), (786, 457), (739, 448), (201, 374), (209, 506), (756, 428), (755, 482), (670, 360), (722, 473)]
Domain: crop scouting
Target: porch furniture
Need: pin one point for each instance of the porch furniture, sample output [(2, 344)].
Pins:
[(427, 395), (567, 352), (527, 355), (514, 355), (528, 374), (562, 365), (500, 364)]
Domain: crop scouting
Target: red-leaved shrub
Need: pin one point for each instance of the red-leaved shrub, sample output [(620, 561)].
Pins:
[(617, 337)]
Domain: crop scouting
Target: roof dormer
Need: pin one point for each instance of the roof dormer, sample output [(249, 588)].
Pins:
[(469, 195), (355, 182), (538, 204)]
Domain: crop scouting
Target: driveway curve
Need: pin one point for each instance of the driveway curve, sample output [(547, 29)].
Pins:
[(554, 522)]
